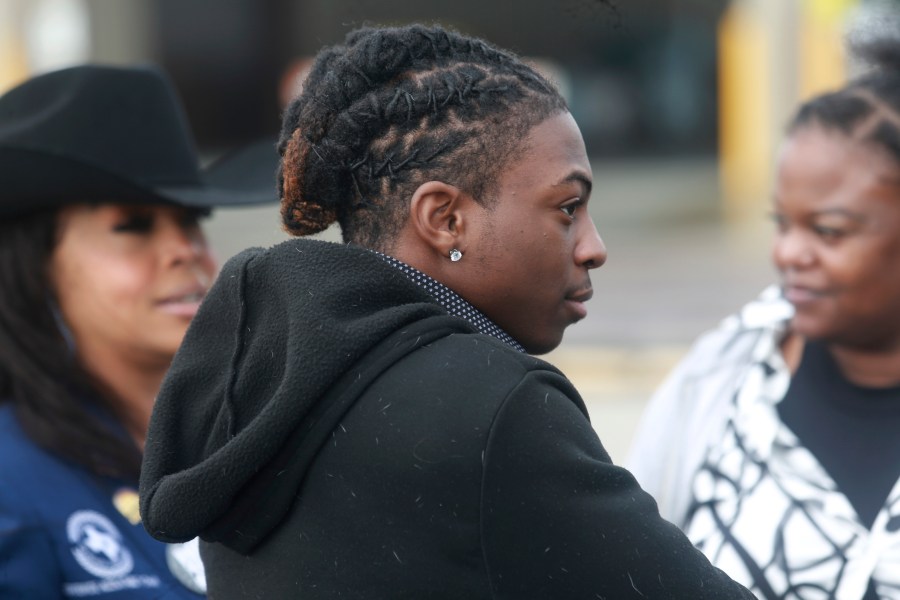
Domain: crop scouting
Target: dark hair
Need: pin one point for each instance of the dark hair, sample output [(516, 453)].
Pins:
[(395, 107), (58, 406), (867, 108)]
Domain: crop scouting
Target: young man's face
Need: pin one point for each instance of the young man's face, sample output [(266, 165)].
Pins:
[(528, 264)]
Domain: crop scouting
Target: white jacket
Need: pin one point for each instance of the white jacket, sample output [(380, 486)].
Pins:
[(690, 409), (713, 451)]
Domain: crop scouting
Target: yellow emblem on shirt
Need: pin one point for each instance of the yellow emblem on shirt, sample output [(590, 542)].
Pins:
[(127, 503)]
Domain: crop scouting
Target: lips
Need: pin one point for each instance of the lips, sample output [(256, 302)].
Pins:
[(575, 301), (184, 301), (799, 294), (582, 295)]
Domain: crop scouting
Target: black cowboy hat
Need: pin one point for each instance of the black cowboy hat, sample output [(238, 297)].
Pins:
[(99, 133)]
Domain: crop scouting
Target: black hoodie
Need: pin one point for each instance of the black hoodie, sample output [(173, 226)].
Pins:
[(329, 431)]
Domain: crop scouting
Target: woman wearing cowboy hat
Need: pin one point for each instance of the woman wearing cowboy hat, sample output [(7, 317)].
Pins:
[(102, 266)]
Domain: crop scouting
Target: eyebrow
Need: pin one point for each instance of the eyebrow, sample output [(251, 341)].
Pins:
[(577, 177), (841, 212)]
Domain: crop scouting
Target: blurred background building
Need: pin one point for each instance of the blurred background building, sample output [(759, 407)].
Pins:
[(681, 103)]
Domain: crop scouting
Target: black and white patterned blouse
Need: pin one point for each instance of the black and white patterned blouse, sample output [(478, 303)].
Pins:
[(763, 508), (714, 452), (452, 302)]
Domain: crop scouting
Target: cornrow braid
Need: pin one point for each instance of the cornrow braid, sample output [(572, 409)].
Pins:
[(868, 108), (392, 108)]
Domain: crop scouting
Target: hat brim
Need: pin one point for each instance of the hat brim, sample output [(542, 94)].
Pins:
[(33, 180), (251, 168)]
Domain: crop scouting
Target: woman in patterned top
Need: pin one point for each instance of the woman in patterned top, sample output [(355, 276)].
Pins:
[(774, 444)]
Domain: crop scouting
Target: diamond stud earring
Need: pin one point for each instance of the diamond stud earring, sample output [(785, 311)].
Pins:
[(455, 255)]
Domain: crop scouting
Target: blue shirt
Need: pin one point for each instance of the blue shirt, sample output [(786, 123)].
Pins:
[(66, 533)]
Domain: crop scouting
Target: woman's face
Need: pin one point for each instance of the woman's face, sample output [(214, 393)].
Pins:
[(837, 248), (530, 261), (128, 279)]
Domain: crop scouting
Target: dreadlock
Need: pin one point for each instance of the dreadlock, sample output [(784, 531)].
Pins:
[(868, 108), (392, 108)]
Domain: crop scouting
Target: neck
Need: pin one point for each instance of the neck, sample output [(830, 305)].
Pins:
[(868, 368), (130, 385), (861, 366)]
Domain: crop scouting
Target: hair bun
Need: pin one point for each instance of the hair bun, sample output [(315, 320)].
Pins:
[(299, 214), (873, 36)]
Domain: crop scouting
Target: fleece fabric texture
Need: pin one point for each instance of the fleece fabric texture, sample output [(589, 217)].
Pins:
[(276, 332), (461, 469)]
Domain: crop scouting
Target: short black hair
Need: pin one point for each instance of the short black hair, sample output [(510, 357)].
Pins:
[(392, 108)]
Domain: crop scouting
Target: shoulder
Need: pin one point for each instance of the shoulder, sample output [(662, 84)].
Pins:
[(714, 365), (688, 411), (30, 474), (301, 255), (527, 393), (476, 375), (741, 336), (474, 349), (18, 454), (491, 363)]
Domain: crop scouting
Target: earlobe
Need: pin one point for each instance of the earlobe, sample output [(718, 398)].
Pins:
[(439, 215)]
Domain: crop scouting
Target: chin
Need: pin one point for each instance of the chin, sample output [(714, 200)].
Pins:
[(168, 346), (537, 347), (809, 329)]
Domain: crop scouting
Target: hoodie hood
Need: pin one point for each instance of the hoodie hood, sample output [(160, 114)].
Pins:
[(252, 389)]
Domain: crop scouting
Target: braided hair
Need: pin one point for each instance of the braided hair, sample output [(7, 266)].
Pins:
[(868, 108), (392, 108)]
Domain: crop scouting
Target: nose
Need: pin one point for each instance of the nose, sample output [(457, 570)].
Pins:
[(590, 251), (181, 242), (791, 250)]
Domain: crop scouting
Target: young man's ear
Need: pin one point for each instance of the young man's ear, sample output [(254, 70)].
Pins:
[(440, 215)]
